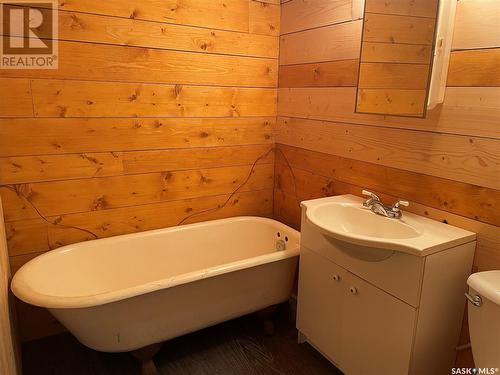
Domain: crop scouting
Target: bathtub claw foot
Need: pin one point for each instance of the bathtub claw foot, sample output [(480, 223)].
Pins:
[(145, 355)]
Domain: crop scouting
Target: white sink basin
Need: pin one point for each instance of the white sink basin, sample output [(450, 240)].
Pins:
[(352, 220), (344, 218)]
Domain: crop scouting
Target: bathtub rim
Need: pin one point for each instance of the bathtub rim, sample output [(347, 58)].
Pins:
[(23, 291)]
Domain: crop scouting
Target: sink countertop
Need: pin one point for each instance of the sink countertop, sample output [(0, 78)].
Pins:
[(413, 234)]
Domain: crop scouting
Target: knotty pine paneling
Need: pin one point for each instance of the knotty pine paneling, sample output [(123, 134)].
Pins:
[(476, 25), (65, 98), (160, 114), (461, 113), (383, 28), (16, 98), (131, 32), (396, 53), (465, 159), (91, 194), (57, 136), (235, 15), (263, 18), (26, 169), (475, 68), (393, 76), (479, 99), (95, 28), (420, 8), (333, 73), (456, 148), (300, 15), (336, 42), (398, 102), (96, 62)]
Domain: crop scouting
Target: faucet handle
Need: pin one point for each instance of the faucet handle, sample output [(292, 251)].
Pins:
[(373, 197), (400, 203), (370, 194)]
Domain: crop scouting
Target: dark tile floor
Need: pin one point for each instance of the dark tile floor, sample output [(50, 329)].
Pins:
[(232, 348)]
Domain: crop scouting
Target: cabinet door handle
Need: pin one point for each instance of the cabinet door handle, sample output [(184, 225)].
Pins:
[(353, 290), (336, 277)]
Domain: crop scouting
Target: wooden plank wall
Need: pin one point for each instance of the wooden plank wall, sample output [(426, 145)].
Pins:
[(156, 113), (447, 165)]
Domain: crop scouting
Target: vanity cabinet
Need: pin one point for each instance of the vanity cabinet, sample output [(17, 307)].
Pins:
[(376, 311), (347, 319)]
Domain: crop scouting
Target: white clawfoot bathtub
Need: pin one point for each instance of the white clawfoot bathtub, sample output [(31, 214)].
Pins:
[(126, 292)]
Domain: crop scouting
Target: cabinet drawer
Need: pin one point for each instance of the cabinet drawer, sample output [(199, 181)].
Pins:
[(397, 273)]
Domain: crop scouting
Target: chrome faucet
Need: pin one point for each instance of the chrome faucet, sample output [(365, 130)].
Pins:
[(373, 203)]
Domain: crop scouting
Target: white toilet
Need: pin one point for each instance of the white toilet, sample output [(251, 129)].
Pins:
[(484, 318)]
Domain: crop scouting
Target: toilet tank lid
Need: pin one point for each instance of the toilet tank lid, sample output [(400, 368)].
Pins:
[(487, 284)]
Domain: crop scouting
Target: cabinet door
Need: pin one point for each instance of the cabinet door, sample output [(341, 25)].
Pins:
[(321, 294), (377, 330)]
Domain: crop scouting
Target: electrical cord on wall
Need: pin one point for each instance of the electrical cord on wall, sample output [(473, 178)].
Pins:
[(48, 221), (14, 189), (254, 165)]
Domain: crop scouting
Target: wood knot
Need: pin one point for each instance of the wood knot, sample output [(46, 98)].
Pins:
[(91, 159), (205, 180), (328, 189), (177, 90), (167, 176), (76, 22), (134, 14), (15, 165), (99, 204), (62, 110), (204, 46)]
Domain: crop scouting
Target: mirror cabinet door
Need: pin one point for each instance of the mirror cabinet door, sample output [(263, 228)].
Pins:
[(396, 57)]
